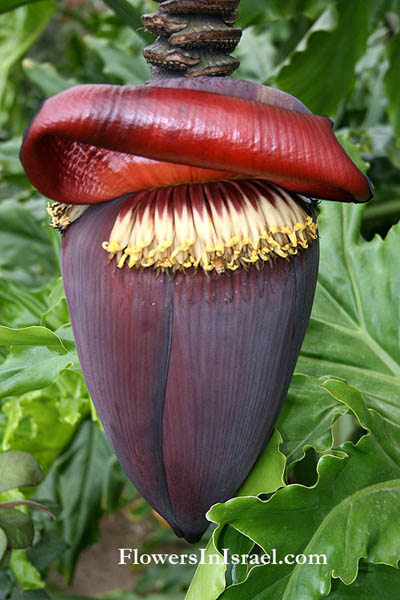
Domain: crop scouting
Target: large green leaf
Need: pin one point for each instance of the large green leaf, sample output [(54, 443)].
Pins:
[(3, 543), (285, 10), (5, 584), (9, 161), (32, 368), (56, 312), (267, 476), (18, 469), (32, 336), (321, 70), (46, 77), (122, 58), (254, 11), (130, 15), (17, 526), (76, 482), (338, 515), (27, 576), (43, 554), (392, 83), (7, 5), (18, 31), (26, 254), (18, 594), (117, 595), (28, 503), (374, 582), (19, 307), (256, 53), (42, 422), (353, 332), (22, 309), (307, 416)]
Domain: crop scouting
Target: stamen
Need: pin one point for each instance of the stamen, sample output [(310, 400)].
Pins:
[(62, 215), (218, 226)]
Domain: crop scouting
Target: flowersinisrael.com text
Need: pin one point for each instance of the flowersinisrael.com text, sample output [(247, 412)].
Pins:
[(132, 556)]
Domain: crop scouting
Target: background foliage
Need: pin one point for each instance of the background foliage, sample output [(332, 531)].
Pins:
[(329, 480)]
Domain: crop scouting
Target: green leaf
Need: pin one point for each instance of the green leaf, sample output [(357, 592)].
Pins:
[(321, 70), (19, 594), (9, 160), (374, 582), (18, 31), (353, 150), (30, 503), (251, 12), (56, 303), (3, 543), (7, 5), (123, 60), (20, 307), (256, 53), (18, 469), (76, 482), (267, 474), (4, 563), (57, 409), (5, 584), (30, 369), (307, 416), (230, 538), (210, 577), (43, 554), (356, 312), (17, 526), (26, 255), (254, 11), (342, 508), (392, 83), (31, 336), (27, 576), (46, 77), (129, 14)]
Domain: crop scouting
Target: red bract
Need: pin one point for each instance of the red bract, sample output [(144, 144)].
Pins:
[(189, 321), (93, 139)]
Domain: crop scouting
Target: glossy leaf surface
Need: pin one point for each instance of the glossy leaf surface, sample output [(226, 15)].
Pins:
[(356, 309), (18, 469), (322, 68), (392, 83), (25, 25), (352, 488)]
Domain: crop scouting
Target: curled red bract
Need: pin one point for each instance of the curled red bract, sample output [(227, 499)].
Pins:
[(99, 142)]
